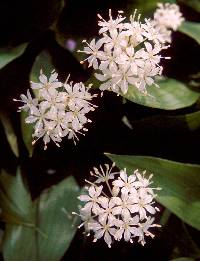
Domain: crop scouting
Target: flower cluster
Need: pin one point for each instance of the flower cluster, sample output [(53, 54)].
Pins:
[(59, 110), (126, 213), (167, 17), (127, 53)]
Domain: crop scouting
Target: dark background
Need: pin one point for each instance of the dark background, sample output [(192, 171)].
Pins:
[(31, 21)]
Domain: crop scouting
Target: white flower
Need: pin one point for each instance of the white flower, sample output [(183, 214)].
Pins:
[(29, 102), (78, 96), (38, 116), (151, 32), (112, 24), (151, 53), (93, 50), (168, 15), (45, 83), (128, 55), (124, 214), (103, 229), (103, 175), (47, 135), (167, 18), (118, 78), (125, 183), (107, 208), (59, 122), (92, 200), (144, 183), (86, 218), (142, 180), (134, 30), (116, 41), (52, 98), (143, 230), (77, 118), (142, 204), (145, 76), (56, 112), (128, 227), (124, 205), (132, 59)]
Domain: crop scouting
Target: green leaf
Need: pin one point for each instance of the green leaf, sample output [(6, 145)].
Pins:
[(19, 243), (171, 95), (191, 29), (190, 121), (15, 201), (7, 55), (10, 133), (180, 184), (16, 206), (43, 61), (55, 219), (27, 131), (39, 230)]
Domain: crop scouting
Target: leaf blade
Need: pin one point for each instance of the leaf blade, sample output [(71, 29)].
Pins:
[(42, 222), (51, 205), (8, 55), (171, 95), (42, 61), (10, 133), (180, 183), (13, 243), (191, 29), (14, 198), (27, 131)]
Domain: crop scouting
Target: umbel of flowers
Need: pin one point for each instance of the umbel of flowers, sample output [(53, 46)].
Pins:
[(128, 53), (118, 206), (59, 110), (167, 18)]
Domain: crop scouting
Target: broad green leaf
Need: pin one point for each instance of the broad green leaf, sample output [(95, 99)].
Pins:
[(183, 259), (7, 55), (180, 184), (15, 201), (10, 133), (43, 61), (19, 243), (191, 29), (55, 219), (27, 131), (190, 121), (48, 233), (171, 95)]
